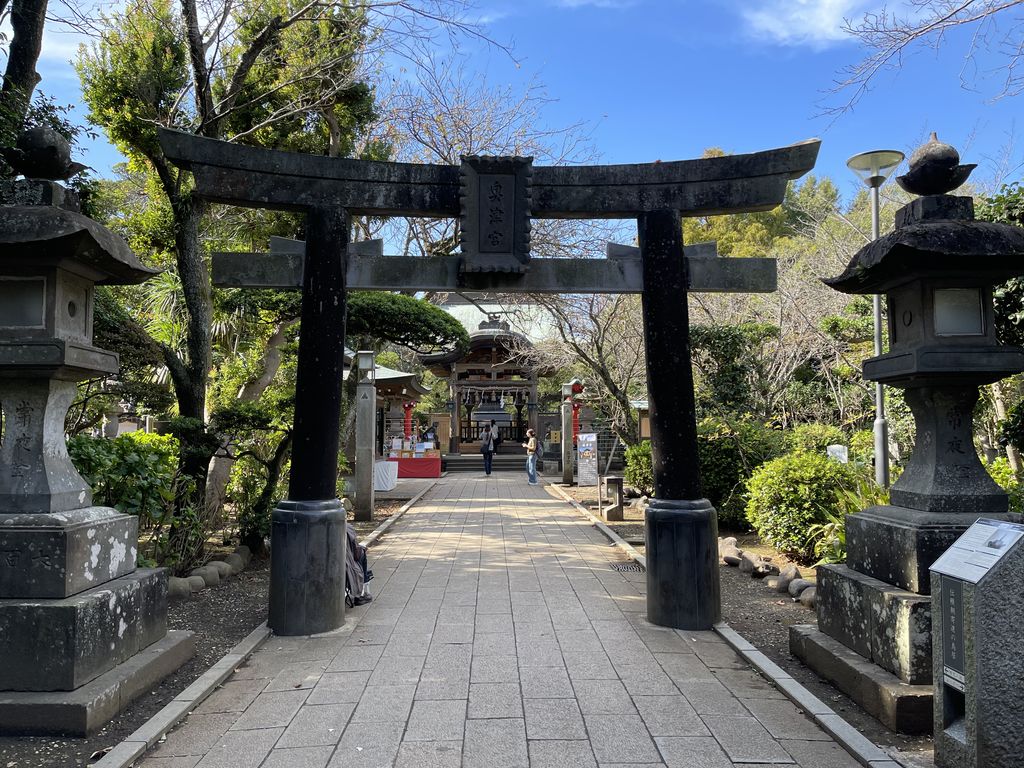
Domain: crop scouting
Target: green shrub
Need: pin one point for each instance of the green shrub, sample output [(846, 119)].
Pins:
[(862, 446), (134, 473), (729, 451), (790, 494), (639, 467), (1003, 474), (814, 438)]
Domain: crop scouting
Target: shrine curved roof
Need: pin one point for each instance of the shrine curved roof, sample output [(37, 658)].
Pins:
[(483, 338)]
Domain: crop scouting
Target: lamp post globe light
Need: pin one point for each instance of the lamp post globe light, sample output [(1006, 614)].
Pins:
[(873, 168)]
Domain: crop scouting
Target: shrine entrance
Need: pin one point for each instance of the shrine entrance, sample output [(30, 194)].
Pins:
[(495, 199)]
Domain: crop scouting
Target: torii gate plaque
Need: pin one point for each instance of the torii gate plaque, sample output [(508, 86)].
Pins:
[(495, 198)]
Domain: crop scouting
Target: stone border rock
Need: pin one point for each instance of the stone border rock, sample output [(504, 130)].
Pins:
[(124, 754), (848, 737), (209, 575), (786, 580)]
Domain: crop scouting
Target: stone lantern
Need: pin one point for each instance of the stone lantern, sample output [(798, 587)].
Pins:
[(73, 607), (937, 269)]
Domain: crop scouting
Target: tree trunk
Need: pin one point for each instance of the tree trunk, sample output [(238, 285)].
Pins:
[(20, 77), (255, 540), (196, 289), (1012, 454), (220, 468)]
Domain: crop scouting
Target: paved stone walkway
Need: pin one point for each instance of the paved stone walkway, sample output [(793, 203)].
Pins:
[(500, 636)]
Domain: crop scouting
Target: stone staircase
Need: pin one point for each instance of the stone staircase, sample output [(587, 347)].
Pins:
[(474, 462)]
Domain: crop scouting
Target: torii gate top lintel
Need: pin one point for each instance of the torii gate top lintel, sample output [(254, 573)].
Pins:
[(240, 175)]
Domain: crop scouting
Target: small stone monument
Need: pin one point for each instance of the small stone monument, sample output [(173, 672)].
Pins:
[(937, 269), (977, 629), (82, 631), (366, 433)]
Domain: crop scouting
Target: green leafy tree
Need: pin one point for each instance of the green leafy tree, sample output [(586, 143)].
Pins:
[(281, 74), (728, 361)]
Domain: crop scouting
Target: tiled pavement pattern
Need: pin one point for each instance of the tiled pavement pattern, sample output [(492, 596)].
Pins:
[(499, 636)]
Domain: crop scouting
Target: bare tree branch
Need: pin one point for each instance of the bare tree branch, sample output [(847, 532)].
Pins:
[(996, 26)]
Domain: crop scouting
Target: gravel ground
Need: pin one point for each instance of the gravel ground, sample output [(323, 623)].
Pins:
[(220, 617)]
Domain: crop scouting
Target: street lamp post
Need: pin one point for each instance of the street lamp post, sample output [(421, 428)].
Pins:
[(873, 168)]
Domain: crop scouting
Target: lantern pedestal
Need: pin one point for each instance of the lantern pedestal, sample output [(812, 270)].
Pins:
[(82, 631)]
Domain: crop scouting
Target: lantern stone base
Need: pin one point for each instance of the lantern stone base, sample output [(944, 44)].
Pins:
[(874, 639), (899, 706), (888, 626), (56, 555), (85, 710), (897, 544), (60, 645)]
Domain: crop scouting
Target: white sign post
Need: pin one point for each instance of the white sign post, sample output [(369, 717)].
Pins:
[(586, 445)]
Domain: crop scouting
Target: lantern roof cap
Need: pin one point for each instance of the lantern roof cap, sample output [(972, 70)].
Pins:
[(44, 235), (935, 236)]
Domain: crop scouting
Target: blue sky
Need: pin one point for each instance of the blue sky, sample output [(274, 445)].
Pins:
[(663, 79)]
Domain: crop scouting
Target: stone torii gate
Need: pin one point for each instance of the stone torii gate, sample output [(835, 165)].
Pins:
[(495, 198)]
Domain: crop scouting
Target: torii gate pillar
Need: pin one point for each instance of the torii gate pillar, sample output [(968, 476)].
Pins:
[(681, 525), (307, 530)]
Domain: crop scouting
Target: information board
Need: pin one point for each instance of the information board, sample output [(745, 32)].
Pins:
[(586, 460), (978, 549)]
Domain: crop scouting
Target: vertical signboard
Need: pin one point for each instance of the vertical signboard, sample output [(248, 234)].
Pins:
[(586, 443), (952, 596)]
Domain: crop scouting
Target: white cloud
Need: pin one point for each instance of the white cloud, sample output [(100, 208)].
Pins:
[(801, 22), (616, 4)]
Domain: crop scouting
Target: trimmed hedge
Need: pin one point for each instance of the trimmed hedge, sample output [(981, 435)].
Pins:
[(790, 494), (639, 471), (728, 452)]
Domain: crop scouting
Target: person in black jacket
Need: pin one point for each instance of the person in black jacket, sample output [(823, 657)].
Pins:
[(487, 448)]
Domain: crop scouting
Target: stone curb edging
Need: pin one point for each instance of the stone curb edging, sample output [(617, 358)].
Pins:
[(852, 740), (149, 733), (124, 754), (381, 529)]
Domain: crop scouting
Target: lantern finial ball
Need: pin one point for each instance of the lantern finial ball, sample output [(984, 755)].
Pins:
[(935, 169)]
